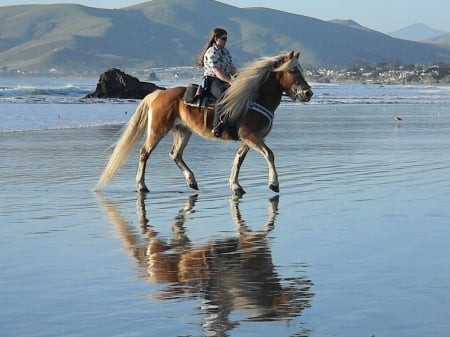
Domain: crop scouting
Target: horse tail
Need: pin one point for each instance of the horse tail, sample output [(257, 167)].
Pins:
[(131, 133)]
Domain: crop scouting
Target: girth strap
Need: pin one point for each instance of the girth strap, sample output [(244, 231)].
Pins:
[(262, 110)]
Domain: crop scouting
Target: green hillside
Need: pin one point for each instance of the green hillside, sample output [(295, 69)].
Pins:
[(159, 33)]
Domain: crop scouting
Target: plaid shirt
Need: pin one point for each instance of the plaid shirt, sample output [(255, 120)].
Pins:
[(219, 58)]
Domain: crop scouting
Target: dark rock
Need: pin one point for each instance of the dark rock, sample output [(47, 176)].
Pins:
[(114, 83), (152, 77)]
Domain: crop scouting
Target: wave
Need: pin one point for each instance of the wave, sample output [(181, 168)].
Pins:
[(67, 100), (42, 94), (73, 91), (20, 90), (69, 94), (379, 94)]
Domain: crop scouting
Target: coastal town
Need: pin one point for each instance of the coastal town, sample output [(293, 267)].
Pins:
[(383, 73)]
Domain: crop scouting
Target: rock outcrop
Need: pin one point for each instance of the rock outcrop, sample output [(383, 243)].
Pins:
[(114, 83)]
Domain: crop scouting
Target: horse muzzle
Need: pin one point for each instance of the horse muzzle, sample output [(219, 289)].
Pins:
[(304, 95)]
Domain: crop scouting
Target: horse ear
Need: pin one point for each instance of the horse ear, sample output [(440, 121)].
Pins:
[(290, 55), (297, 55)]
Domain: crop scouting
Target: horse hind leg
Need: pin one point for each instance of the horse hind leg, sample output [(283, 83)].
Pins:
[(181, 136), (152, 140)]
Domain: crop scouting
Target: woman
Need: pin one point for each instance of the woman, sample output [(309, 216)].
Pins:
[(218, 70)]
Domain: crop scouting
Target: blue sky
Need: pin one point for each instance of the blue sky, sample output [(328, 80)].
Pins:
[(382, 15)]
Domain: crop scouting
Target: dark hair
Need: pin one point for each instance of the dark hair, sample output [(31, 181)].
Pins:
[(217, 32)]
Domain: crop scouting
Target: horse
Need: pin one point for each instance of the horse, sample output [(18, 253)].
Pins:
[(249, 103)]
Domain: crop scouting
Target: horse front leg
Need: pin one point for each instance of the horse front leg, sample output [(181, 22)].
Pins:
[(234, 175), (181, 136), (267, 153), (273, 175)]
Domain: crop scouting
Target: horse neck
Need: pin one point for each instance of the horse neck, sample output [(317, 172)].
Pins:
[(269, 95)]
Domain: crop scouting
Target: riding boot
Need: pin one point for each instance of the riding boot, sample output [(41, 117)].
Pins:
[(218, 88), (218, 125)]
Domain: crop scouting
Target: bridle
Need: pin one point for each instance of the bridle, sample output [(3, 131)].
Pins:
[(302, 94)]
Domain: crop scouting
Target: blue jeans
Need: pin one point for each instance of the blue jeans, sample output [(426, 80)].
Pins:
[(217, 88)]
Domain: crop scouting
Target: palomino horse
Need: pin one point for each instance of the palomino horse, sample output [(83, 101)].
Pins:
[(230, 274), (250, 103)]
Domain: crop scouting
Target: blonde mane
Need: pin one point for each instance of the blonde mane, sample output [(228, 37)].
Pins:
[(240, 94)]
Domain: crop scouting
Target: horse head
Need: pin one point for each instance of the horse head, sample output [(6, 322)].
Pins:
[(291, 79)]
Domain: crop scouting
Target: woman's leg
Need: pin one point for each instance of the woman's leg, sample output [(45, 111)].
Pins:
[(217, 89)]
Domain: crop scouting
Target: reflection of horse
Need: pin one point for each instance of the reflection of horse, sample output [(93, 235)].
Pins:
[(229, 274), (250, 103)]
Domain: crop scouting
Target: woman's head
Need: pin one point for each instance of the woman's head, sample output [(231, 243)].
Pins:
[(218, 36), (218, 33)]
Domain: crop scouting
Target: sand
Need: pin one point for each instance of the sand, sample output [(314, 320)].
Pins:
[(356, 240)]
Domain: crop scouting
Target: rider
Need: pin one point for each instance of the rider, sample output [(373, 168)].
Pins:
[(218, 70)]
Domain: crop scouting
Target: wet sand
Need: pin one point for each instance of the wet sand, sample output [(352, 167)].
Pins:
[(356, 242)]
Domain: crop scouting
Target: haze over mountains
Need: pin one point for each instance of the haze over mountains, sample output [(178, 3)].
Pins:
[(163, 33), (422, 33)]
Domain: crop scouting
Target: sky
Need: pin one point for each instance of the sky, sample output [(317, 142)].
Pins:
[(382, 15)]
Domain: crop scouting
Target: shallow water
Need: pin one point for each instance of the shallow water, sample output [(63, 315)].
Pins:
[(355, 243)]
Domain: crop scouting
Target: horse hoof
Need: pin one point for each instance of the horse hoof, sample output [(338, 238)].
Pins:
[(239, 192), (274, 188), (143, 189), (193, 186)]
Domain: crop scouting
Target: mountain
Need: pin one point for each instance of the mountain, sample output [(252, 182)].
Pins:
[(349, 23), (162, 33), (441, 39), (417, 32)]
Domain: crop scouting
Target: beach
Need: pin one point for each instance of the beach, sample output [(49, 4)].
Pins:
[(355, 243)]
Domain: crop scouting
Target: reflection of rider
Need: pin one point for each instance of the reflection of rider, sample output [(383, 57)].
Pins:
[(218, 70)]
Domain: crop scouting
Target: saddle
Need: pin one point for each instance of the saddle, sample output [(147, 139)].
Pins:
[(196, 95)]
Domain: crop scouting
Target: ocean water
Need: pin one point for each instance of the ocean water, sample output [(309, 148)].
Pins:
[(355, 243), (43, 104)]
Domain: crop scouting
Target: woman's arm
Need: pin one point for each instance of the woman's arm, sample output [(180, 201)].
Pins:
[(220, 75)]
